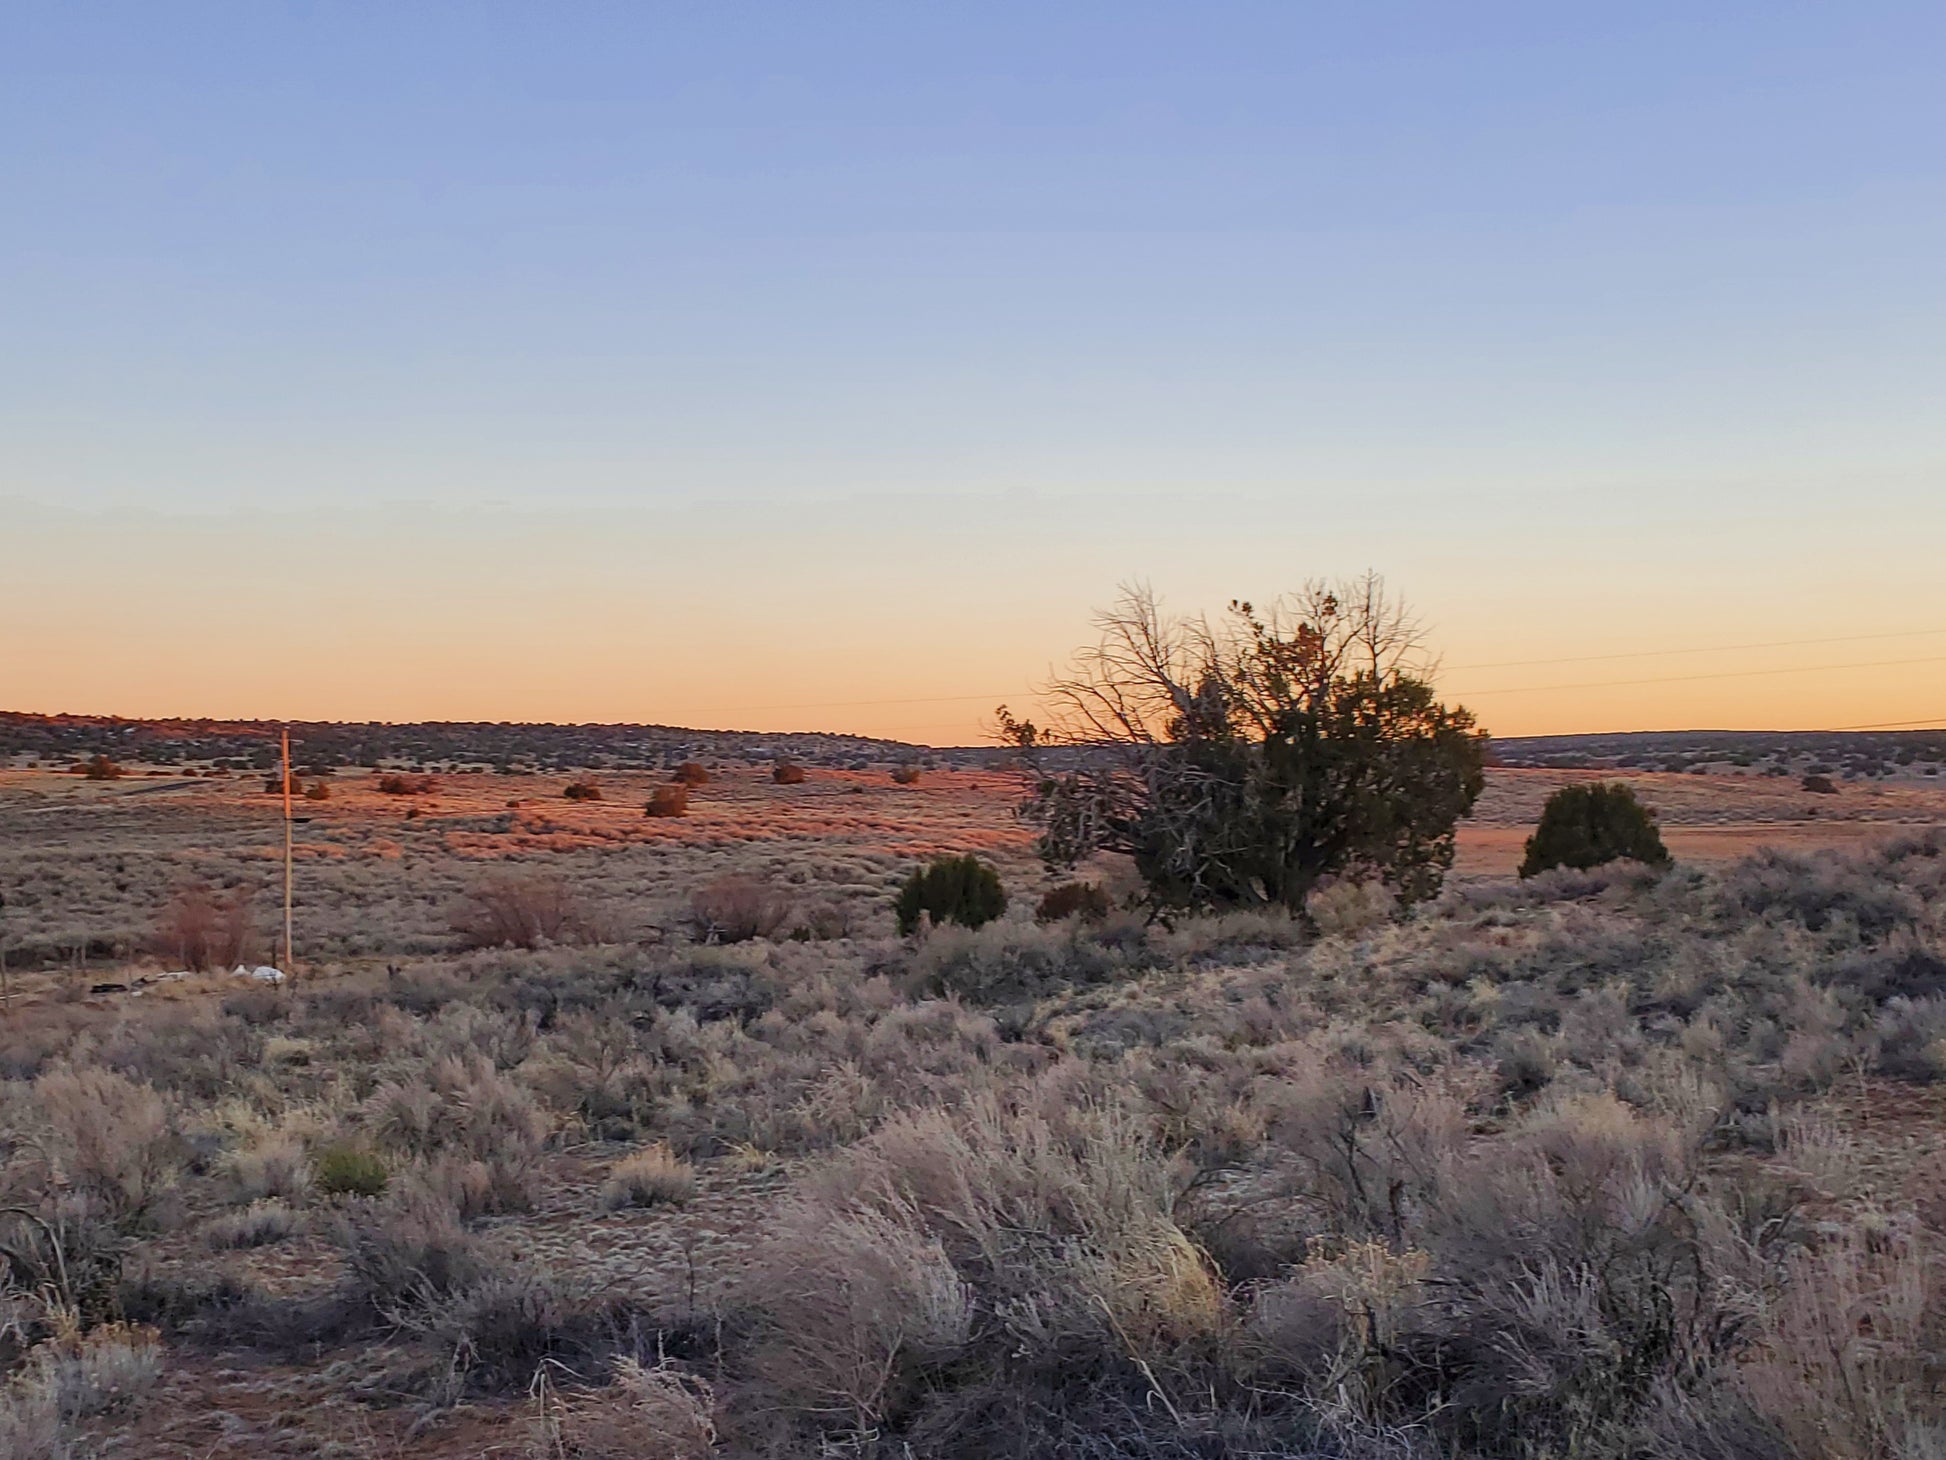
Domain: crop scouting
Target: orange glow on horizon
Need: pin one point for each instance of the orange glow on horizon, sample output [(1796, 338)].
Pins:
[(913, 631)]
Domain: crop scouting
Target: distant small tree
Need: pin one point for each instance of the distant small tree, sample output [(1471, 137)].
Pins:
[(200, 929), (668, 801), (735, 909), (1585, 826), (518, 912), (691, 773), (961, 890), (1239, 762), (100, 768)]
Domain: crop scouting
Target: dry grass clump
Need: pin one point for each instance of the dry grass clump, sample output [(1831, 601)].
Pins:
[(519, 912), (102, 1371), (1004, 963), (475, 1135), (647, 1412), (109, 1139), (652, 1176), (1347, 908), (1020, 1271), (737, 909), (668, 801), (406, 1256), (200, 930), (271, 1165), (1013, 1246), (260, 1224), (72, 1376)]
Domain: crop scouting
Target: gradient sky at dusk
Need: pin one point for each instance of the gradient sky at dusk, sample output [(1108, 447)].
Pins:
[(821, 365)]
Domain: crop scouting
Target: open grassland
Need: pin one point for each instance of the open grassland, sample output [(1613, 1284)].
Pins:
[(1600, 1164), (86, 866)]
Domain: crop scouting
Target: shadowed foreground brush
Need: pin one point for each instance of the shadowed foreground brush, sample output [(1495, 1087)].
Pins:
[(1616, 1163)]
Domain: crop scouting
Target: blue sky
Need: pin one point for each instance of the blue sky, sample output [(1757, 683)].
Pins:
[(1210, 292)]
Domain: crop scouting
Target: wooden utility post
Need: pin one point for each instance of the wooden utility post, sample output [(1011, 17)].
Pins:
[(287, 853)]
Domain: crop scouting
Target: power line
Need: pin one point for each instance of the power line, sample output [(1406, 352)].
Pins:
[(1459, 668), (1686, 678), (1714, 649), (1888, 725), (856, 704)]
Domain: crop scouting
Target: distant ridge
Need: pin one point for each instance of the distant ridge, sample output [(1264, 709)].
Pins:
[(449, 744), (1858, 753), (516, 746)]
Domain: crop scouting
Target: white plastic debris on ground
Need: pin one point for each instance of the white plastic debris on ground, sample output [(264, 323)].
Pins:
[(262, 973)]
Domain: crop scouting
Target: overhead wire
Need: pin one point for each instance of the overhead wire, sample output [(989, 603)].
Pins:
[(996, 697)]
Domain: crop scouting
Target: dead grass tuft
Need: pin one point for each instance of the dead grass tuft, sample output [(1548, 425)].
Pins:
[(652, 1176), (736, 909)]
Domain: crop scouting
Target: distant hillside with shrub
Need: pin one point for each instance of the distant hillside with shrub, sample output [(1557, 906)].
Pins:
[(246, 745), (1841, 755)]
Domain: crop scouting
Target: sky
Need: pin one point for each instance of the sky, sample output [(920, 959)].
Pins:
[(824, 365)]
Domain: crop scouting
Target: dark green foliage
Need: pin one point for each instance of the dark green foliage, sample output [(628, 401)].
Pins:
[(961, 890), (1084, 900), (349, 1171), (1585, 826), (1240, 764)]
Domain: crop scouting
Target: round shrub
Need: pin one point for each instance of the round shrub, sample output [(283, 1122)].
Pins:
[(961, 890), (1584, 826), (668, 801), (582, 791), (691, 773), (787, 773), (906, 774), (348, 1171), (1819, 785), (1084, 900)]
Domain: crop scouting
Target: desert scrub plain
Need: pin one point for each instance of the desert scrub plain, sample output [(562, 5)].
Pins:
[(1598, 1164)]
